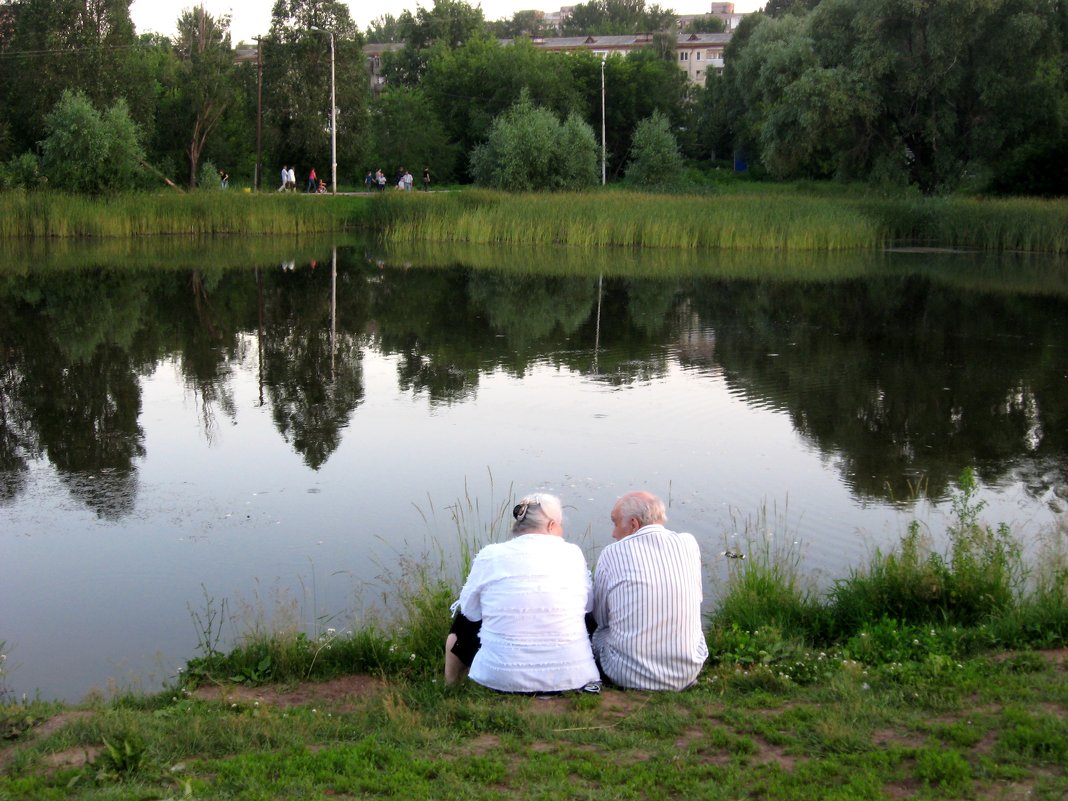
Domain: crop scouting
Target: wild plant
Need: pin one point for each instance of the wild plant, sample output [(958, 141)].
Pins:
[(765, 585), (977, 578)]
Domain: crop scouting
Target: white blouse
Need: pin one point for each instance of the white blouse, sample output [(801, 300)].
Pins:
[(532, 594)]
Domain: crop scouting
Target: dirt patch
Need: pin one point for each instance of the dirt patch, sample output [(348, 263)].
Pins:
[(883, 738), (44, 729), (482, 745), (342, 694), (72, 757), (906, 788), (1057, 657)]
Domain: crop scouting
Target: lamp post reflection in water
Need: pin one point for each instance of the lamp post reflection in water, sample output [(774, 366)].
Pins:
[(333, 308)]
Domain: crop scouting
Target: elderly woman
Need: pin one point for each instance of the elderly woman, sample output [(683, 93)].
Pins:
[(521, 620)]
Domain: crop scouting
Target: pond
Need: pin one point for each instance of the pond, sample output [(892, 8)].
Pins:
[(292, 425)]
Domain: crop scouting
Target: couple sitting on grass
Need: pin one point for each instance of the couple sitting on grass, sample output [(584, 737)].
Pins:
[(523, 621)]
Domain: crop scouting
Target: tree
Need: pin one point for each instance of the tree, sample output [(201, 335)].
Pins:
[(896, 90), (617, 17), (59, 45), (407, 132), (383, 29), (654, 154), (523, 23), (467, 87), (707, 23), (296, 83), (86, 151), (207, 89), (448, 25), (524, 151)]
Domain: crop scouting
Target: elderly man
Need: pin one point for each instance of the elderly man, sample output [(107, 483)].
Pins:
[(647, 600)]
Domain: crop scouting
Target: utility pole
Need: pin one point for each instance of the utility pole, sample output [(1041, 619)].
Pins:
[(259, 112)]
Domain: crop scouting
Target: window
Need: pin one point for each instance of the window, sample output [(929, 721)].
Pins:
[(684, 56), (698, 55)]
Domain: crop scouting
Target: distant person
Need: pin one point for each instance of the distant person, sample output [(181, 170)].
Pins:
[(313, 183), (285, 178), (520, 621), (369, 181), (647, 600), (426, 179), (380, 179), (224, 179), (407, 181), (291, 182)]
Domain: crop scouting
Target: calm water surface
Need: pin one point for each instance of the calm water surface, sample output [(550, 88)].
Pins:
[(257, 422)]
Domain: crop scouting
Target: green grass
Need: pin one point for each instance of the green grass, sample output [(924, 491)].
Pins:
[(984, 730), (629, 220), (785, 219), (741, 217), (58, 215)]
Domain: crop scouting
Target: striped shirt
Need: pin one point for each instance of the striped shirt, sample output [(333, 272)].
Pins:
[(647, 604)]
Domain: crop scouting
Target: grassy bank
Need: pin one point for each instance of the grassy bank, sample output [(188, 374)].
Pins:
[(924, 674), (53, 214), (790, 220), (746, 219)]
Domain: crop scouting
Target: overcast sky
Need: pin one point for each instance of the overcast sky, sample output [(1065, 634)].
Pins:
[(252, 17)]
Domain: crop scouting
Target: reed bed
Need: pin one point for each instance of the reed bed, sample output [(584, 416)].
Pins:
[(53, 214), (625, 219)]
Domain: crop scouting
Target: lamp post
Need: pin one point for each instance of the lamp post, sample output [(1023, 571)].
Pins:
[(605, 56), (333, 116)]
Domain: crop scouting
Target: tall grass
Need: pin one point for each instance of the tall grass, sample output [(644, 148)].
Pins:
[(633, 220), (402, 636), (55, 214), (765, 585), (789, 220)]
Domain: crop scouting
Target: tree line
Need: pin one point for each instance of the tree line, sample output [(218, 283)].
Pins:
[(936, 95)]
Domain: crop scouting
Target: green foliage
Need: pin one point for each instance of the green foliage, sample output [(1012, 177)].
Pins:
[(56, 46), (655, 160), (208, 176), (705, 23), (89, 152), (21, 172), (296, 87), (945, 768), (408, 133), (206, 67), (892, 91), (1032, 736), (979, 578), (608, 17), (54, 214), (523, 151), (121, 759)]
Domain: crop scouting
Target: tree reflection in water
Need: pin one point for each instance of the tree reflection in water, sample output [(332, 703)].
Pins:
[(897, 376)]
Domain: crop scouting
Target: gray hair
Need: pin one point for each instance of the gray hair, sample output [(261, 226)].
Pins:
[(533, 513), (643, 505)]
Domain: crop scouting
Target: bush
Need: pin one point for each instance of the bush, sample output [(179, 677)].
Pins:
[(977, 579), (654, 154), (528, 149), (207, 176), (21, 172), (89, 152)]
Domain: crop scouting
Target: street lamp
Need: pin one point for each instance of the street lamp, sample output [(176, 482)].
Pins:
[(603, 57), (333, 116)]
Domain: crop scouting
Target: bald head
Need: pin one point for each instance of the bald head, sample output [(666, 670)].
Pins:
[(635, 510)]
